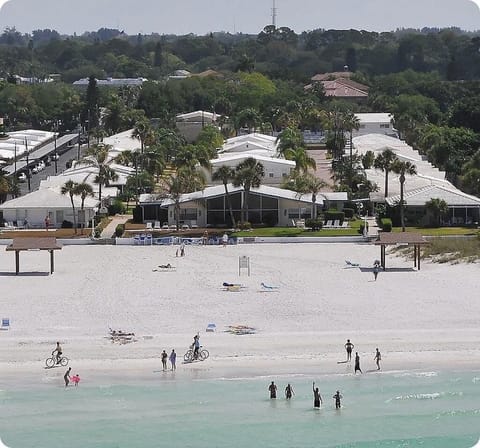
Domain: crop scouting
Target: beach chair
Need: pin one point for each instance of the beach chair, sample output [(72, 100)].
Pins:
[(143, 237), (136, 239), (328, 224), (345, 225), (157, 225), (336, 224), (211, 328), (149, 226), (5, 324), (148, 239)]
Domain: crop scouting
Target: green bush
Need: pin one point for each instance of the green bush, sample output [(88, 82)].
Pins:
[(119, 230), (348, 212), (244, 225), (314, 224), (67, 224), (333, 215), (362, 226), (116, 207), (386, 224), (97, 232)]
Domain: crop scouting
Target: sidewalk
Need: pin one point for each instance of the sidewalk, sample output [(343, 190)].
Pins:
[(372, 226), (109, 231)]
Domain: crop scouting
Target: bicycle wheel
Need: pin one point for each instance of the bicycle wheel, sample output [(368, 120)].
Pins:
[(188, 356), (64, 361), (203, 355), (50, 362)]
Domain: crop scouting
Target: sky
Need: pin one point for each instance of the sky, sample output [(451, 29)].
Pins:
[(246, 16)]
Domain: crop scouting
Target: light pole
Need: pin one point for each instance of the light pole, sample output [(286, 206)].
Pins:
[(79, 131), (56, 155)]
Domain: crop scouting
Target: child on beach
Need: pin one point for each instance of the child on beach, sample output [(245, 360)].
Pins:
[(75, 379)]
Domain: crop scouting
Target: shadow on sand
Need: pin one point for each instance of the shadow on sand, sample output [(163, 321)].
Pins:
[(25, 274)]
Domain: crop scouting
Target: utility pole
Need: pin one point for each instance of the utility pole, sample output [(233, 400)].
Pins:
[(79, 130), (28, 168), (15, 161), (56, 155)]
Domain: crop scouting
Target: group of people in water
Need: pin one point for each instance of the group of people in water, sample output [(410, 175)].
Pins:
[(317, 398)]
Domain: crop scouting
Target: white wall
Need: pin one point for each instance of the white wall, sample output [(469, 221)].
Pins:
[(36, 216), (384, 128)]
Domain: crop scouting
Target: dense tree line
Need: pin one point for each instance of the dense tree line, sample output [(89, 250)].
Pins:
[(428, 79)]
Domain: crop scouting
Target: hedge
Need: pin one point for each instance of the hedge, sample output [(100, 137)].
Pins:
[(348, 212), (386, 224), (333, 215)]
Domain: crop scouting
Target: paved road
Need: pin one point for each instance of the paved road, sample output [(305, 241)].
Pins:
[(35, 179)]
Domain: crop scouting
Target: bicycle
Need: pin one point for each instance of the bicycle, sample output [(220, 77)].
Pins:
[(189, 356), (52, 361)]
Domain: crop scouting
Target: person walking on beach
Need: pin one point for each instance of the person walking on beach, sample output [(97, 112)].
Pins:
[(205, 238), (376, 269), (337, 397), (225, 240), (273, 390), (66, 377), (378, 358), (357, 363), (164, 360), (317, 398), (289, 392), (173, 360), (349, 347), (182, 250)]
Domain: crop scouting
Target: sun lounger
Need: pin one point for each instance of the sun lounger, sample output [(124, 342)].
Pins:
[(5, 324), (157, 225), (336, 224), (211, 328), (165, 268), (328, 224), (268, 288)]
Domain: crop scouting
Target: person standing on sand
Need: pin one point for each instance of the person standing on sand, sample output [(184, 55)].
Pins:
[(289, 392), (349, 347), (66, 377), (273, 390), (357, 363), (317, 398), (173, 359), (164, 360), (376, 269), (225, 240), (337, 397), (378, 358), (182, 250)]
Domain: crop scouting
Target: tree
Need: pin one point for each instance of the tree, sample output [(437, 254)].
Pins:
[(92, 100), (384, 162), (225, 174), (307, 183), (70, 188), (301, 158), (143, 131), (185, 180), (83, 190), (403, 168), (97, 156), (248, 174), (436, 208), (471, 177), (248, 118), (289, 138)]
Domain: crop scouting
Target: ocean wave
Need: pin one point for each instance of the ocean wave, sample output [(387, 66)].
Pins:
[(476, 380), (416, 374), (458, 412), (429, 396)]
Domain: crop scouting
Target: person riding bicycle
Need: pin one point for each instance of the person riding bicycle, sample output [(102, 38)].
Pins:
[(196, 345), (58, 350)]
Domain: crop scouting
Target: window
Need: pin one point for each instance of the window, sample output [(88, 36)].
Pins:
[(362, 126), (270, 174), (385, 126)]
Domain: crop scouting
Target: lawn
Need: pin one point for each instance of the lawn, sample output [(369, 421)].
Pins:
[(294, 232)]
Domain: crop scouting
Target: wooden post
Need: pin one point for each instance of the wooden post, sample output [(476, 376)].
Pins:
[(17, 262), (52, 264), (418, 251), (415, 256)]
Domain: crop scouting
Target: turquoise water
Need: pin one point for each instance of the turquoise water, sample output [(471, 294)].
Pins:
[(379, 410)]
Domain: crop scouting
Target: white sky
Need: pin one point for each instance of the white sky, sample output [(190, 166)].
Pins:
[(248, 16)]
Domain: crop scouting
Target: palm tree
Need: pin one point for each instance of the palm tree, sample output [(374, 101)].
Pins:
[(289, 139), (248, 117), (301, 158), (185, 180), (307, 183), (143, 131), (403, 168), (225, 174), (438, 208), (248, 174), (384, 162), (83, 190), (70, 188), (97, 156)]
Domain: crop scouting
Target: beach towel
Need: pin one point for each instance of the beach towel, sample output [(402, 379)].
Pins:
[(353, 265), (268, 286)]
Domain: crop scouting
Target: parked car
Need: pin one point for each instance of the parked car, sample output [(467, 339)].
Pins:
[(22, 177)]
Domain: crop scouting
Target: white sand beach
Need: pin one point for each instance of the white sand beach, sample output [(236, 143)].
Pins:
[(423, 319)]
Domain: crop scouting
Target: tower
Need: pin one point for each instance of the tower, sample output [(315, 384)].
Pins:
[(274, 14)]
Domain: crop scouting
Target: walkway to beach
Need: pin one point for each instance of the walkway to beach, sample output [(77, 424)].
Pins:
[(116, 220), (324, 166)]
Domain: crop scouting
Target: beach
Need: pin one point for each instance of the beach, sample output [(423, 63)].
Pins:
[(425, 324), (417, 318)]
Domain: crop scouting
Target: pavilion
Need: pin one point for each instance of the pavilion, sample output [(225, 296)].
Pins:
[(400, 239), (29, 244)]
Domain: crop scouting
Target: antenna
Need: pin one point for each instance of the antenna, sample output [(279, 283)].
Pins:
[(274, 14)]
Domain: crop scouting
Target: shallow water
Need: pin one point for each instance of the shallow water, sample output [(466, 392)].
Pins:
[(422, 409)]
